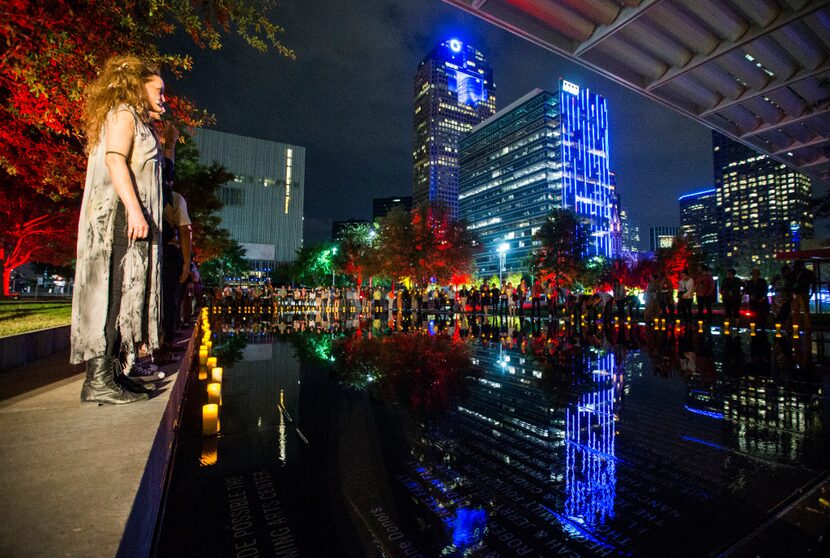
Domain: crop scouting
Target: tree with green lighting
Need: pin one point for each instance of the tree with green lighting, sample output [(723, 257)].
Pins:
[(355, 256), (314, 264), (230, 263)]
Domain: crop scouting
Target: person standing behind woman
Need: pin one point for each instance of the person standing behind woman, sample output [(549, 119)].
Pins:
[(685, 294), (757, 291), (705, 291), (117, 295), (731, 290)]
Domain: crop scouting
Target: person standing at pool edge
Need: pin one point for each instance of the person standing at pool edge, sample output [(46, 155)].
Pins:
[(117, 295)]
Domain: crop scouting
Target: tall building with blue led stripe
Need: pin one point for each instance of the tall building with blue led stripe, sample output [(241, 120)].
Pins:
[(544, 151), (454, 91)]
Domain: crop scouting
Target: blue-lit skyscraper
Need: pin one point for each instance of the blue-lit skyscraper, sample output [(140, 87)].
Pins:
[(544, 151), (454, 91)]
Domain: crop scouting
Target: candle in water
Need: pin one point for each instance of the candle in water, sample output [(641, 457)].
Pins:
[(210, 419), (214, 391)]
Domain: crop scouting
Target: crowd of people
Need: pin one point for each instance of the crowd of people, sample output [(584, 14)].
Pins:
[(785, 299), (535, 300)]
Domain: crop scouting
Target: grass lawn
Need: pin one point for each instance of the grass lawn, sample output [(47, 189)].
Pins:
[(19, 316)]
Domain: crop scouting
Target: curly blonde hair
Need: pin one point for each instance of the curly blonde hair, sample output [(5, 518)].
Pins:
[(120, 82)]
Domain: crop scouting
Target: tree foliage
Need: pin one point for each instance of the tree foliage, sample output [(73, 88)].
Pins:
[(230, 263), (313, 265), (564, 243), (355, 255), (678, 257), (50, 52), (425, 244), (199, 184)]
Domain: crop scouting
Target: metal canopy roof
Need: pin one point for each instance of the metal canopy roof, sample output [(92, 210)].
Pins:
[(758, 71)]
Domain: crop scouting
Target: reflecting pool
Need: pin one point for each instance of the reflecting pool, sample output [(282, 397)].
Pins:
[(494, 437)]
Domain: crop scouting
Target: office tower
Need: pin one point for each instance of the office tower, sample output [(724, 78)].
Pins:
[(662, 237), (263, 204), (630, 233), (454, 91), (765, 207), (544, 151), (699, 223), (382, 206), (616, 218), (337, 227)]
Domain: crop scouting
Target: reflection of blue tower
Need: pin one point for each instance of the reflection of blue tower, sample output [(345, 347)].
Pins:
[(591, 478)]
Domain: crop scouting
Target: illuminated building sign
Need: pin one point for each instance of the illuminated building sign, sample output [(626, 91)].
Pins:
[(569, 87)]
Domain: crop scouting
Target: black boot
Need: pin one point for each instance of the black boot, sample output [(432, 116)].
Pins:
[(129, 383), (100, 386)]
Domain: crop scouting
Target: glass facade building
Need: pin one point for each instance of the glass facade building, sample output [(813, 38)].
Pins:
[(765, 207), (544, 151), (699, 222), (454, 91)]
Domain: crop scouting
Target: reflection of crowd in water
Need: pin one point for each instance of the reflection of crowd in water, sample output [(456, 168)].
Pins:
[(674, 348), (534, 301)]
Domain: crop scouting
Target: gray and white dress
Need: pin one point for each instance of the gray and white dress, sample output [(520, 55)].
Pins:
[(139, 317)]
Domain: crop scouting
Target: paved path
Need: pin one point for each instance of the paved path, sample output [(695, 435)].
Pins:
[(70, 474)]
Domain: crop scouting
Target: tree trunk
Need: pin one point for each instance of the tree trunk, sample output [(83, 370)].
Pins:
[(7, 276)]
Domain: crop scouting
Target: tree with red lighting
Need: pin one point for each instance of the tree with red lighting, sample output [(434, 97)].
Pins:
[(678, 257), (425, 244), (51, 51)]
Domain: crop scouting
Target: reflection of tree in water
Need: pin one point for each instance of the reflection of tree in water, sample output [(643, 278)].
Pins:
[(229, 351), (313, 345), (423, 370)]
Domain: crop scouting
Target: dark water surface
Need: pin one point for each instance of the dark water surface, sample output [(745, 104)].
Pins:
[(496, 438)]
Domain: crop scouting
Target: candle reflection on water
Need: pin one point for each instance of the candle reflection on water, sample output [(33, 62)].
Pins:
[(210, 451)]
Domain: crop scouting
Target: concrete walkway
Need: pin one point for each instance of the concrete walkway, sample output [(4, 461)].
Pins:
[(81, 480)]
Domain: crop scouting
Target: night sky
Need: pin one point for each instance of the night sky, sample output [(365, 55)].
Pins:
[(348, 99)]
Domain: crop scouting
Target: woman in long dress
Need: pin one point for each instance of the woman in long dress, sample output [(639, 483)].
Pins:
[(116, 303)]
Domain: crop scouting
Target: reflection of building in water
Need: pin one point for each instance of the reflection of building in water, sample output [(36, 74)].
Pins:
[(769, 420), (266, 383), (590, 462), (507, 395)]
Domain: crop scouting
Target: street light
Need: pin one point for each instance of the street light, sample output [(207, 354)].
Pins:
[(502, 250)]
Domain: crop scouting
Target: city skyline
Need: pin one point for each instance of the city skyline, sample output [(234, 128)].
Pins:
[(349, 101)]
